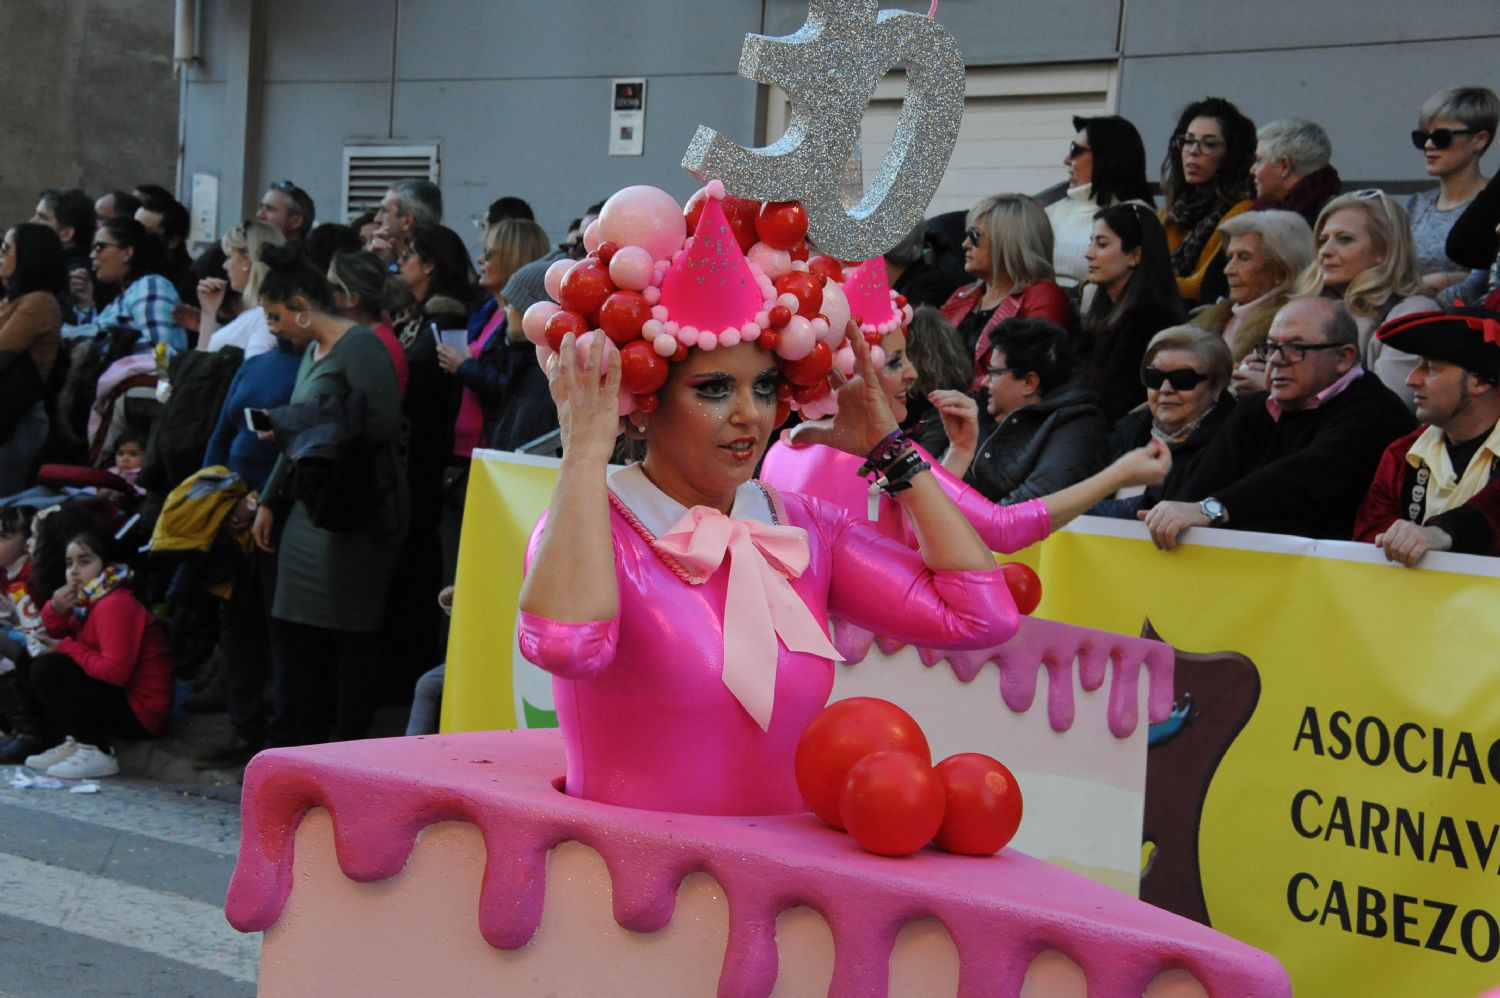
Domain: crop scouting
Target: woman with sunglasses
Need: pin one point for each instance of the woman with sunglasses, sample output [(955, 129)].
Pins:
[(1367, 260), (1456, 127), (1008, 247), (33, 272), (1186, 371), (1131, 297), (126, 254), (1206, 180), (1106, 164)]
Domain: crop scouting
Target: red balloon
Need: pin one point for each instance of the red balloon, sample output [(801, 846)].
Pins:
[(768, 340), (806, 287), (647, 403), (783, 411), (642, 369), (584, 288), (800, 251), (826, 266), (806, 393), (783, 390), (983, 804), (779, 315), (781, 224), (873, 338), (621, 316), (1025, 587), (840, 735), (892, 803), (606, 252), (810, 369), (680, 354), (560, 324)]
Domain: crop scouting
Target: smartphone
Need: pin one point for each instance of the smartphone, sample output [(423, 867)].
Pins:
[(259, 420)]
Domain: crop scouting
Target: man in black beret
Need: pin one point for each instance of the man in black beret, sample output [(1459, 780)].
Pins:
[(1438, 488)]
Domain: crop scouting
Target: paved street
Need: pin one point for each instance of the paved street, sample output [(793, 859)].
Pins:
[(118, 893)]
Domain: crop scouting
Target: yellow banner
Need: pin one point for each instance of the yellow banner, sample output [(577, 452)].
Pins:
[(1340, 739)]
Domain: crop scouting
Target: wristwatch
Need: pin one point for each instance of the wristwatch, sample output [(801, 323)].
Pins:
[(1215, 511)]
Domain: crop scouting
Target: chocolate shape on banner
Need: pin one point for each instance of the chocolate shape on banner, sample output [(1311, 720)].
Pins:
[(829, 69)]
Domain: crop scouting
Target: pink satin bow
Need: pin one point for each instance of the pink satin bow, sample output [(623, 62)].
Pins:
[(760, 604)]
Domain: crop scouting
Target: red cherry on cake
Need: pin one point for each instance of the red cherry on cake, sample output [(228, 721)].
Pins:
[(840, 735), (585, 287), (781, 224), (983, 804), (560, 324), (810, 369), (622, 315), (892, 803), (642, 369), (1025, 587)]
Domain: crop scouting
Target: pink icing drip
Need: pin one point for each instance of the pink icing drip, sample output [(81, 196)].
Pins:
[(1047, 644), (1000, 911)]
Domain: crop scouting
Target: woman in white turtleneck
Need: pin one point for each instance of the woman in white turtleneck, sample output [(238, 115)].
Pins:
[(1106, 164)]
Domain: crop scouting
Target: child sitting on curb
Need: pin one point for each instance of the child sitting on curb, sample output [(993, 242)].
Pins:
[(107, 668)]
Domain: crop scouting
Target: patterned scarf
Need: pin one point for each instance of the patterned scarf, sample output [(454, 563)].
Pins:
[(1198, 211), (100, 586)]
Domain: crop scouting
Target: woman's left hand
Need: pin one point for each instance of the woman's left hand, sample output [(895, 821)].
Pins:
[(864, 418), (450, 358)]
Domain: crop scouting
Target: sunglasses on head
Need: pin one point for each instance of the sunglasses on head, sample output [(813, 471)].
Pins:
[(1183, 379), (1441, 138)]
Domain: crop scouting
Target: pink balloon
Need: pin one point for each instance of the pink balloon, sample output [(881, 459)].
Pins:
[(644, 216), (591, 237), (774, 262), (836, 307), (877, 357), (844, 361), (582, 345), (535, 320), (632, 268), (552, 280), (797, 339)]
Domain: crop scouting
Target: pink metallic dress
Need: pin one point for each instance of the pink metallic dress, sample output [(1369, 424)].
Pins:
[(830, 475), (646, 716)]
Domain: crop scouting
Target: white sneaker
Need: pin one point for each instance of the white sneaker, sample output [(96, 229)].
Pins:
[(86, 763), (54, 755)]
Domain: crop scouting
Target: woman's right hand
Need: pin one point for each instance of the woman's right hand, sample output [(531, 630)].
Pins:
[(1147, 465), (265, 520), (1248, 378), (211, 294), (960, 415), (81, 287), (587, 397)]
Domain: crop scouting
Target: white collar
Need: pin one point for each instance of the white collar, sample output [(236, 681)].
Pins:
[(1083, 193), (659, 512)]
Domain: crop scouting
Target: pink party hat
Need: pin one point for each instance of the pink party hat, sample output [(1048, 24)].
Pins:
[(710, 287), (871, 299)]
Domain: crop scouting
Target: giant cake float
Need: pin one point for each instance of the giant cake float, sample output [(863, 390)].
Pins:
[(458, 863)]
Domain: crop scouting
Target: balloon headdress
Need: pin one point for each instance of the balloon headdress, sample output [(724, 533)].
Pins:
[(880, 310), (657, 292)]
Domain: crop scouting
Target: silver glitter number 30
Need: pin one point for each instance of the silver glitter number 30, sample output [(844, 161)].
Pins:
[(829, 69)]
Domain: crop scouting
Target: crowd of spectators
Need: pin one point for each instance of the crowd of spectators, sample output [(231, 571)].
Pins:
[(241, 476)]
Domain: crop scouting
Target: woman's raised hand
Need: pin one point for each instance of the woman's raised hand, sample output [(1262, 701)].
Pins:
[(864, 417), (211, 292), (960, 415), (587, 397)]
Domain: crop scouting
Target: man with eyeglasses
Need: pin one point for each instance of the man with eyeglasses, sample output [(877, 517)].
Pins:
[(1294, 460), (1438, 487), (289, 208)]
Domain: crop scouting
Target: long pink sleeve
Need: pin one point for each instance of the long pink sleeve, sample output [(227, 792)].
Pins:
[(830, 475), (881, 584)]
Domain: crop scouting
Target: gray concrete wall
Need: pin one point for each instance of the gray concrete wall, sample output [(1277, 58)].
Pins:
[(516, 93), (87, 98)]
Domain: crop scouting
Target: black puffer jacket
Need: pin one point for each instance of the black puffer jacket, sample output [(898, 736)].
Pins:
[(1041, 448), (1134, 430)]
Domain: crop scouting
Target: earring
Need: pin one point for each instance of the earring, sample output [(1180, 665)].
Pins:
[(303, 320), (634, 430)]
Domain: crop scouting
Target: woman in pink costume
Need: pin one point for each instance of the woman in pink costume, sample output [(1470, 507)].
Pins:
[(798, 464), (682, 607)]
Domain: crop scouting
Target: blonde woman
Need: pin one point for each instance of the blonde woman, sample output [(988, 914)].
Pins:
[(1456, 127), (242, 246), (1366, 260), (1008, 247)]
